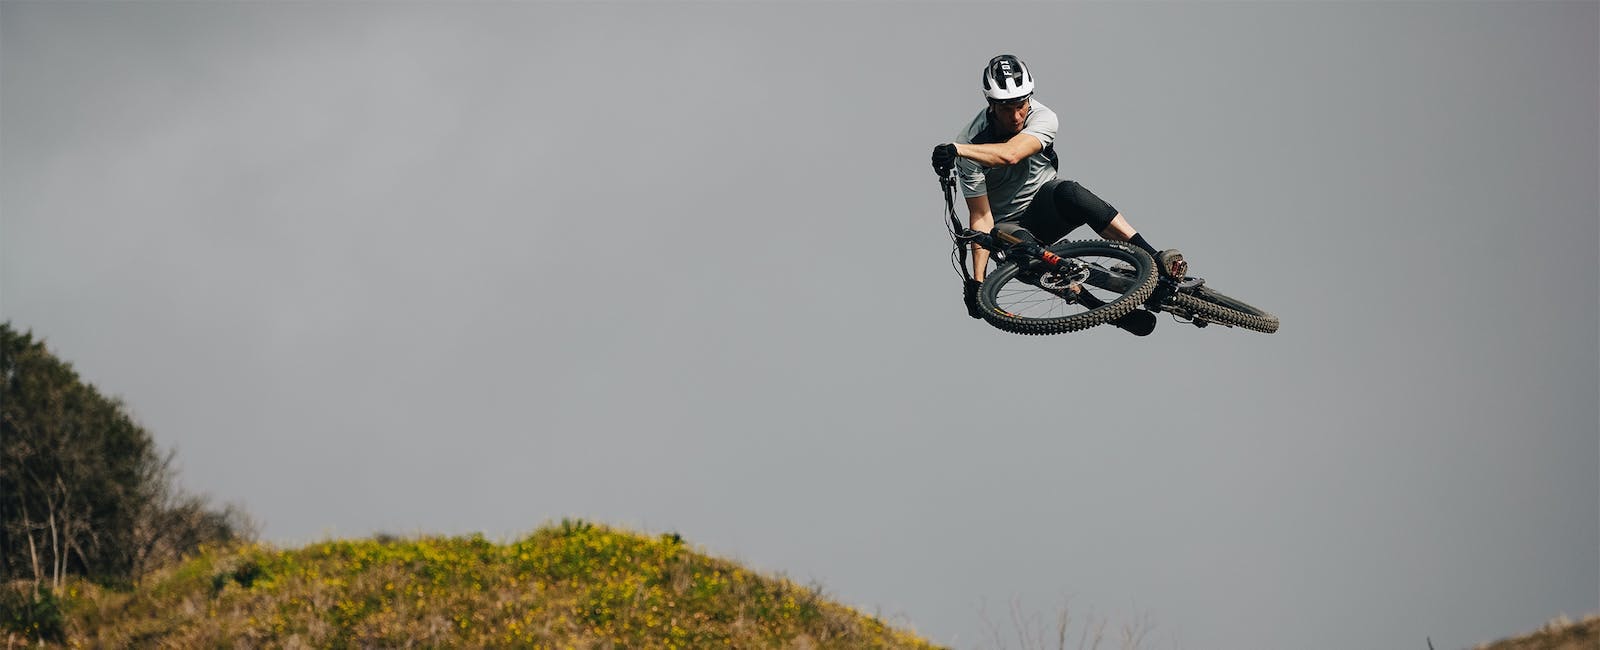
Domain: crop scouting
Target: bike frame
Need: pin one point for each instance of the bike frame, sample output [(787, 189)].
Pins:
[(1030, 254), (1186, 298)]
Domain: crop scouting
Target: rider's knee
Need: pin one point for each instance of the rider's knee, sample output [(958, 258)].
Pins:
[(1096, 213)]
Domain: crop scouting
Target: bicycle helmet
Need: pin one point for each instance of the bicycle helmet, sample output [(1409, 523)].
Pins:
[(1006, 80)]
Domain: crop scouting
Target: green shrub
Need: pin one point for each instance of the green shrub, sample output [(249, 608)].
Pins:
[(33, 613)]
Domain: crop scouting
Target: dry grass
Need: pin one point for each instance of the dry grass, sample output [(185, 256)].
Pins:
[(1031, 632), (1559, 634), (574, 585)]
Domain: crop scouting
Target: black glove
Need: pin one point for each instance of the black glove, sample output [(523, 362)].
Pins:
[(944, 157), (969, 294)]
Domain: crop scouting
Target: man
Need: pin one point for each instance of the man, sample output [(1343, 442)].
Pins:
[(1006, 162)]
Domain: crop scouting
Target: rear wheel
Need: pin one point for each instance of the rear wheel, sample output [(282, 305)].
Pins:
[(1219, 308), (1096, 282)]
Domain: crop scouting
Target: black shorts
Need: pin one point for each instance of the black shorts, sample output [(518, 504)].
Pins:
[(1059, 207)]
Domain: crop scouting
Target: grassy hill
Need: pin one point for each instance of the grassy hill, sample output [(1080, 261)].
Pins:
[(1559, 634), (573, 585)]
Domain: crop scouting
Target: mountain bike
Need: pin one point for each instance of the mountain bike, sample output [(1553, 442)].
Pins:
[(1068, 286)]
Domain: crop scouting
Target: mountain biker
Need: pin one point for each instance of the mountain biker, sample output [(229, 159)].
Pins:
[(1006, 162)]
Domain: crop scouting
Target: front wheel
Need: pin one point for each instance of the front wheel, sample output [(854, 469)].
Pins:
[(1095, 282)]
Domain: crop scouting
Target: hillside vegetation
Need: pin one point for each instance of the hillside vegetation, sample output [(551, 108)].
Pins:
[(101, 547), (1559, 634), (84, 489), (573, 585)]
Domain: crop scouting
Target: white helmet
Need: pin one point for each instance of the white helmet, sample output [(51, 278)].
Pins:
[(1007, 80)]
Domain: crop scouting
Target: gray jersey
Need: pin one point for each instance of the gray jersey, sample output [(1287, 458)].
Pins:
[(1010, 187)]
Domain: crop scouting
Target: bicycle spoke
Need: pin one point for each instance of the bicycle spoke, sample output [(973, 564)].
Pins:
[(1087, 287)]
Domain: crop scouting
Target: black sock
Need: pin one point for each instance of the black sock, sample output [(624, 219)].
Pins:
[(1138, 240)]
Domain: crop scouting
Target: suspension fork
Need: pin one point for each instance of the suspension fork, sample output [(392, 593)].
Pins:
[(1027, 253)]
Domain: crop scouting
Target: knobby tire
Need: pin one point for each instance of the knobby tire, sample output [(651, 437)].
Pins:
[(1219, 308), (1137, 289)]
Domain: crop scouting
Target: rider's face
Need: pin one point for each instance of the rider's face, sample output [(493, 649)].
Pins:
[(1009, 117)]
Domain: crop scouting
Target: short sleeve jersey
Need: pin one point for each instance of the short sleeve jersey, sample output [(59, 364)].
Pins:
[(1010, 187)]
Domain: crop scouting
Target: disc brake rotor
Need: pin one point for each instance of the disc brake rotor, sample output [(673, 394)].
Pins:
[(1065, 279)]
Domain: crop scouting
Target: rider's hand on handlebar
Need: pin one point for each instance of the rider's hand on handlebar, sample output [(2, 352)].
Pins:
[(944, 157)]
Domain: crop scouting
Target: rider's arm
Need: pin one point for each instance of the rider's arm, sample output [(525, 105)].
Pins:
[(979, 219), (1010, 152)]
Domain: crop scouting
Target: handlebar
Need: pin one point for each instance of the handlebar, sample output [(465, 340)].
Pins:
[(998, 241)]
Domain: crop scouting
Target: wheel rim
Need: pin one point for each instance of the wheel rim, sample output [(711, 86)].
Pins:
[(1112, 275), (1054, 295)]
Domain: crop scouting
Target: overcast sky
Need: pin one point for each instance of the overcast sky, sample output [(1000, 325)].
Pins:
[(463, 267)]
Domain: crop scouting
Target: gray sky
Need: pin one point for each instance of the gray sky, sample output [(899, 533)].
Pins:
[(458, 267)]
